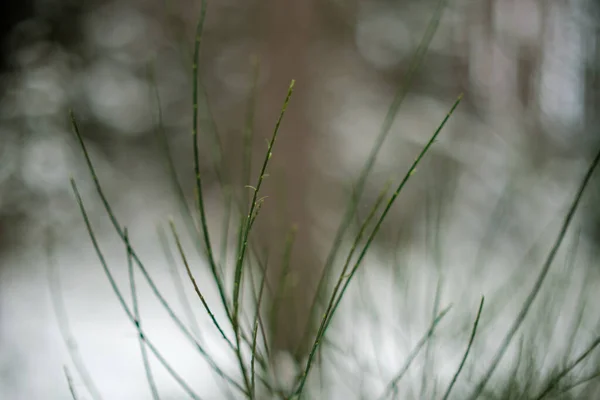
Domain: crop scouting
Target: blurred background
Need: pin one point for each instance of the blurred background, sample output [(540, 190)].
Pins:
[(478, 217)]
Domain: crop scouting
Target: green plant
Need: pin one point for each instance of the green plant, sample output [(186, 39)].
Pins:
[(243, 330)]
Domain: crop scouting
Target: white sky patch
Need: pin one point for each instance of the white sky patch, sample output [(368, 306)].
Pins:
[(561, 82), (382, 38), (46, 165), (119, 98)]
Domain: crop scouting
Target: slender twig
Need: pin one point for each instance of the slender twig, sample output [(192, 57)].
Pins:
[(70, 383), (247, 227), (236, 348), (426, 380), (464, 359), (178, 282), (138, 323), (199, 193), (202, 299), (226, 223), (60, 311), (238, 331), (255, 334), (254, 203), (183, 298), (283, 281), (193, 281), (426, 377), (261, 325), (249, 129), (184, 207)]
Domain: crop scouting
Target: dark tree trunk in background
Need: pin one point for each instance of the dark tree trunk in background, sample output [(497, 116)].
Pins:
[(288, 30), (11, 14)]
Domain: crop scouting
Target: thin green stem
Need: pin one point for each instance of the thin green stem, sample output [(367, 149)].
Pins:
[(60, 311), (138, 323), (538, 284), (250, 218), (199, 192), (253, 205), (239, 334), (178, 282), (249, 129), (70, 383), (195, 285), (161, 136), (255, 335), (464, 359), (228, 195), (280, 290)]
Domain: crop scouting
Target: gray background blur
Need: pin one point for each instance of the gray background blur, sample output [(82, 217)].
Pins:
[(499, 178)]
